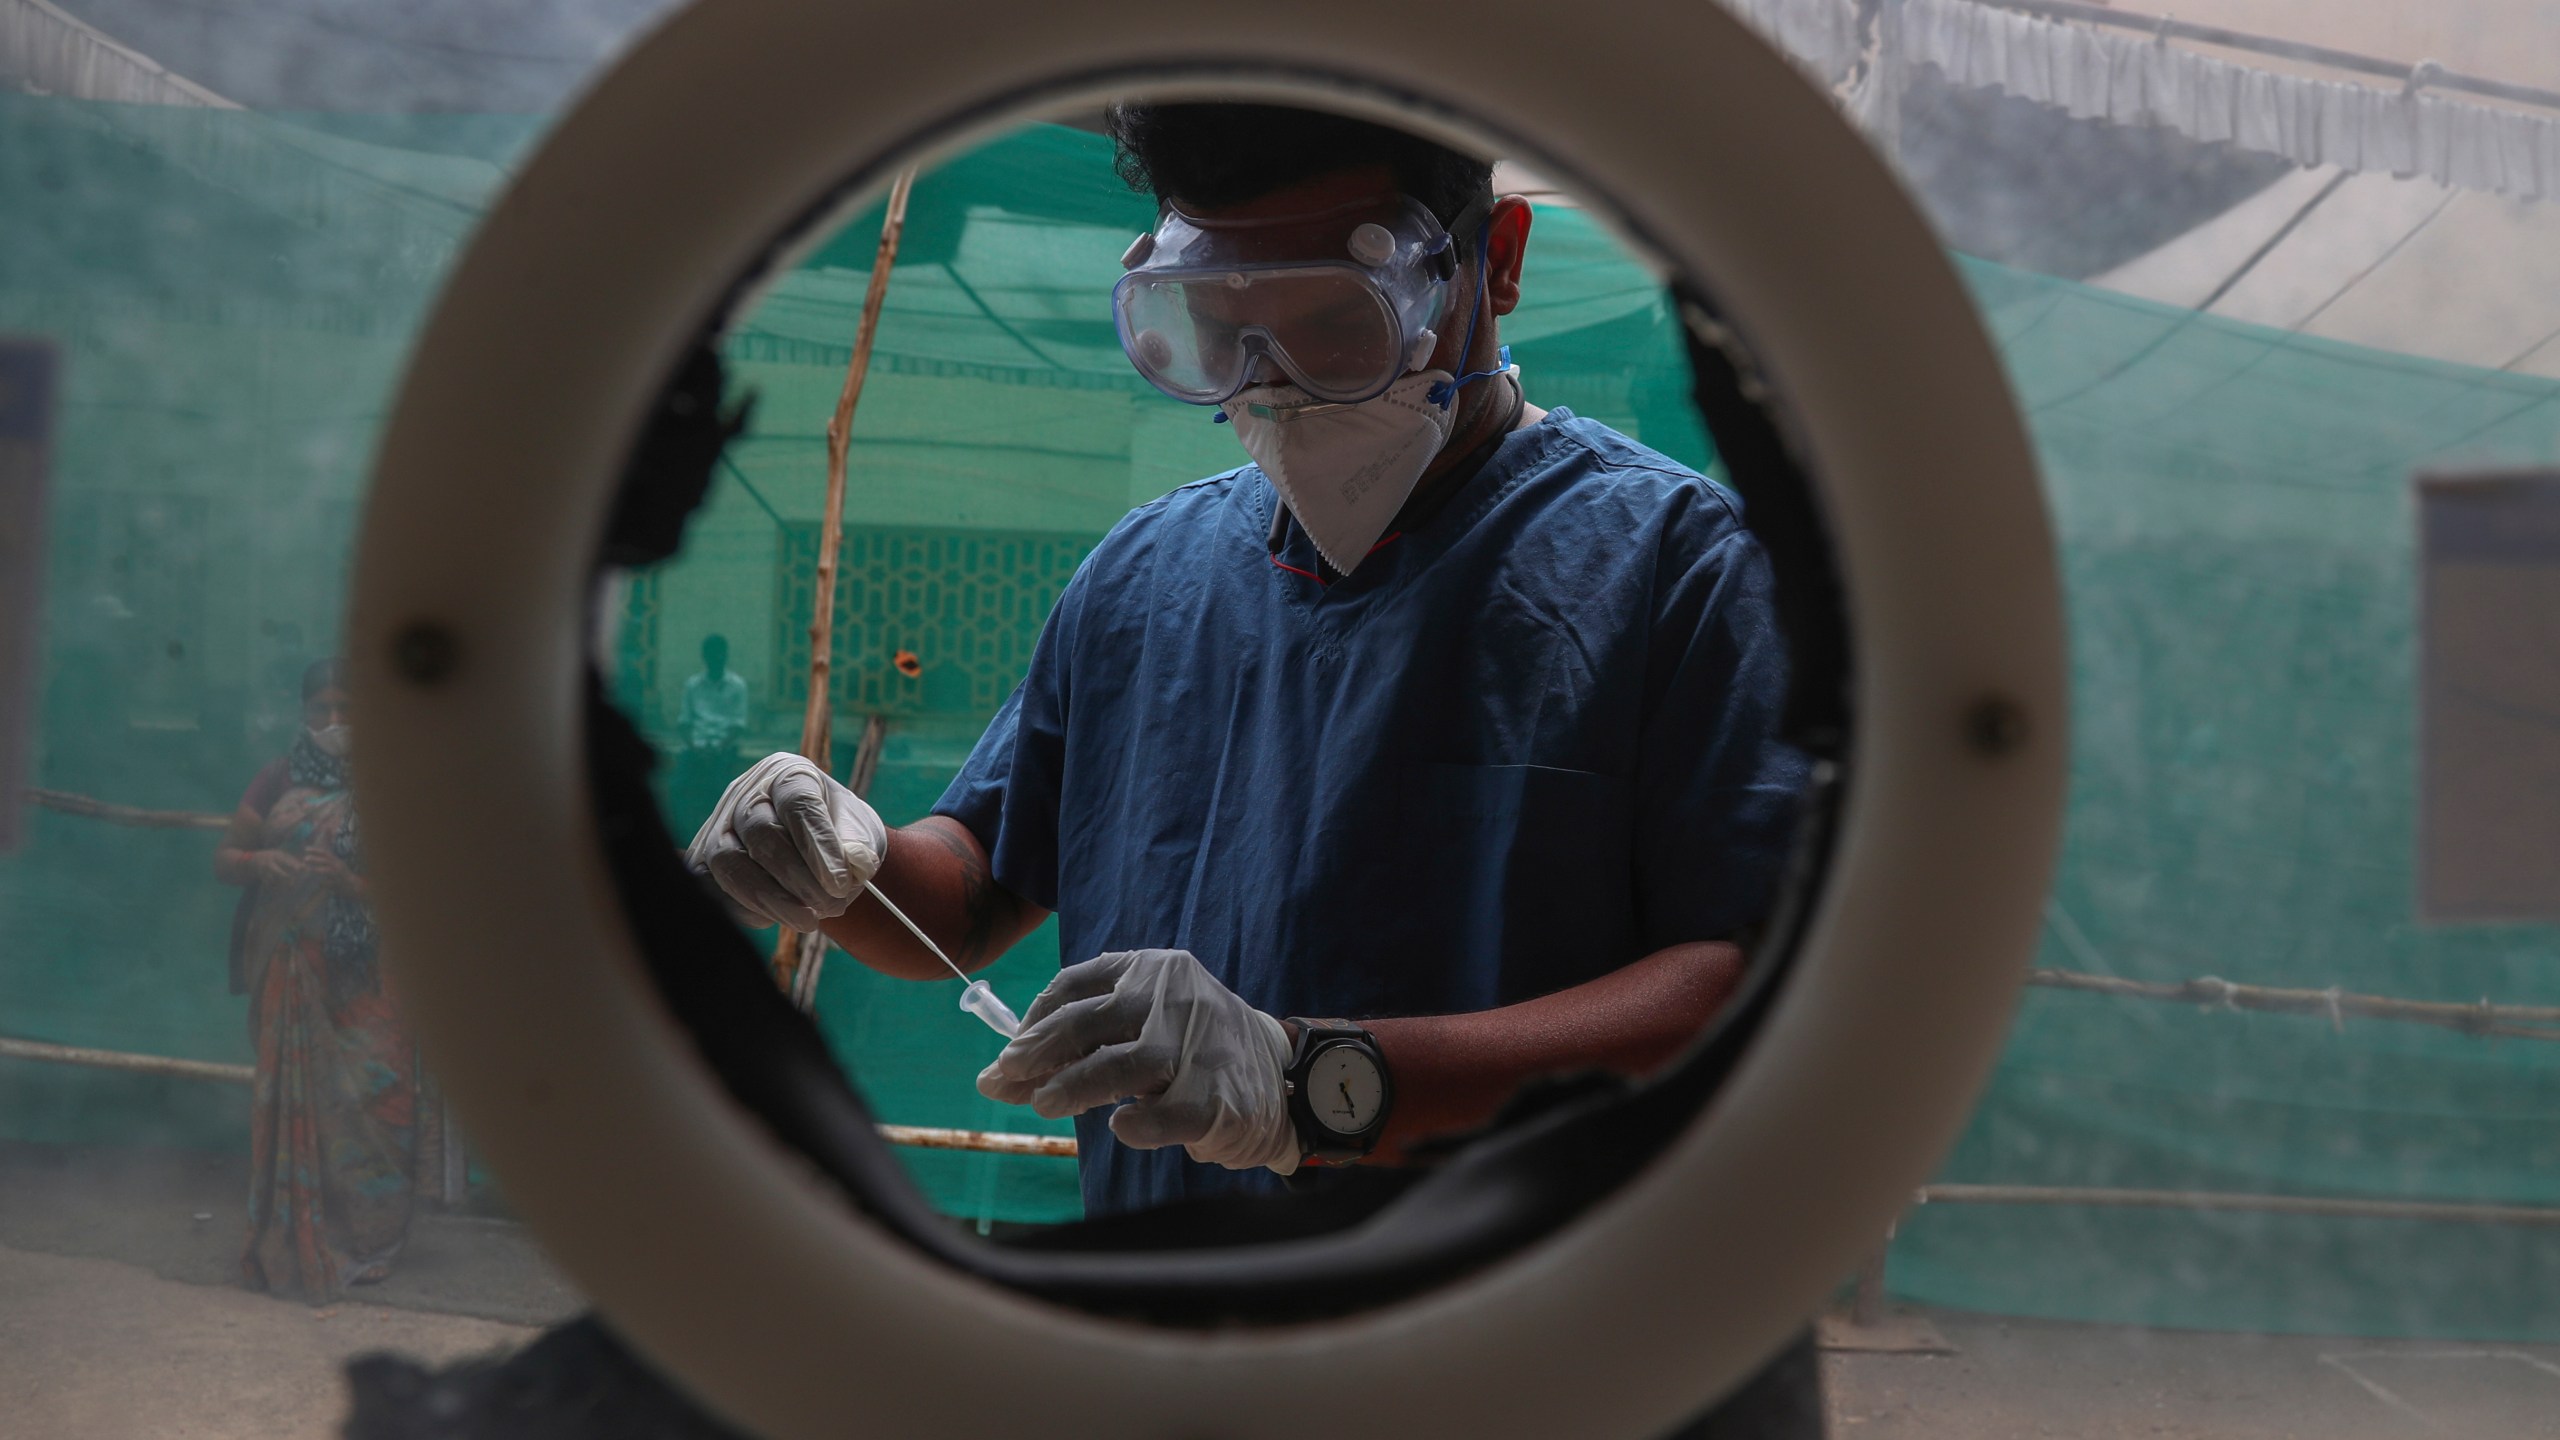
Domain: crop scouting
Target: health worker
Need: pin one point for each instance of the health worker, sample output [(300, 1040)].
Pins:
[(1430, 752)]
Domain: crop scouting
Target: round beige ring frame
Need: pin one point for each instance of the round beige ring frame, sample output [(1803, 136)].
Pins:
[(719, 1254)]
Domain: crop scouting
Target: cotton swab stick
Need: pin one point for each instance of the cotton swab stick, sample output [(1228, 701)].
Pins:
[(979, 999), (913, 929)]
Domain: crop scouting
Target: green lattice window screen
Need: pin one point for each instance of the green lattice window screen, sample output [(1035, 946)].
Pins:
[(635, 665), (967, 604)]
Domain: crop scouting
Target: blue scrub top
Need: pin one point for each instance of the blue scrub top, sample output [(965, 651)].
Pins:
[(1518, 748)]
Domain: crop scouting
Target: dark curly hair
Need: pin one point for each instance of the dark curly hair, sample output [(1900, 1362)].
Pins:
[(1216, 155)]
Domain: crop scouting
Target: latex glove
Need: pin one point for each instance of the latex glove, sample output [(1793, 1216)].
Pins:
[(788, 845), (1199, 1067)]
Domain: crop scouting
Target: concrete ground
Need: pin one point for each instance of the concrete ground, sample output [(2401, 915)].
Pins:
[(182, 1215), (122, 1316), (2025, 1380), (100, 1350), (121, 1319)]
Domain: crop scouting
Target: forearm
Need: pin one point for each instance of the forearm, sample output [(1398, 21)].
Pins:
[(938, 874), (1453, 1072), (235, 860)]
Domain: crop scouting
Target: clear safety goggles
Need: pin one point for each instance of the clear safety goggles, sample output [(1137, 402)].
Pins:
[(1341, 302)]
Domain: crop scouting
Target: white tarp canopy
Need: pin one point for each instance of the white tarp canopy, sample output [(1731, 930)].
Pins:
[(2404, 265), (2413, 191), (2426, 217), (2125, 76)]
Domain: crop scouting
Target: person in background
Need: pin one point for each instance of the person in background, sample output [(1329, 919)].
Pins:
[(333, 1122), (712, 717)]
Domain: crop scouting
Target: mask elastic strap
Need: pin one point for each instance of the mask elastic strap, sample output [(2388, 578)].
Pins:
[(1501, 366), (1445, 394)]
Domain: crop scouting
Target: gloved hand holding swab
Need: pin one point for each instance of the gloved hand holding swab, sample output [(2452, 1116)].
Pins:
[(827, 822), (980, 999)]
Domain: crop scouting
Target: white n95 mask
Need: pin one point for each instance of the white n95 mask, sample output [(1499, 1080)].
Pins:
[(1345, 470)]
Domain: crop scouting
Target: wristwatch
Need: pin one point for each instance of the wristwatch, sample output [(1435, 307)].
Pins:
[(1338, 1089)]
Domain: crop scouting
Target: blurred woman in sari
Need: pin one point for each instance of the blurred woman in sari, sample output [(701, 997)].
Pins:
[(333, 1126)]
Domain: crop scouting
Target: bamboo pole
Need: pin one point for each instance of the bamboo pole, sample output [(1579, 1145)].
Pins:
[(992, 1142), (816, 725), (928, 1137), (793, 954), (1008, 1143), (813, 951), (2347, 1207), (121, 1060), (67, 803), (2516, 1022), (866, 755)]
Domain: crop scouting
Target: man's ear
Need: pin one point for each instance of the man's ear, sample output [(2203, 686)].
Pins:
[(1505, 247)]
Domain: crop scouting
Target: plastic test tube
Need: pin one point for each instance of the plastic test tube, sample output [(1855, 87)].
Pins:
[(980, 999)]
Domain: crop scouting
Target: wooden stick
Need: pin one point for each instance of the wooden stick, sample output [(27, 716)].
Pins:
[(812, 959), (816, 726), (928, 1137), (2538, 1022), (2334, 1205), (866, 755), (792, 953), (70, 804), (120, 1060), (993, 1142), (1008, 1143), (803, 957)]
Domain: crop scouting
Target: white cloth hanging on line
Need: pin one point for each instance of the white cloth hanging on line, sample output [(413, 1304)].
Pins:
[(2094, 73), (1820, 35), (45, 50)]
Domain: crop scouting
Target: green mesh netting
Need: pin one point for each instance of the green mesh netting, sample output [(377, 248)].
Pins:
[(2238, 560), (233, 293)]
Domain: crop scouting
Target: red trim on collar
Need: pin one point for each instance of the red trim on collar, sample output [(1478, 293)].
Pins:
[(1319, 579)]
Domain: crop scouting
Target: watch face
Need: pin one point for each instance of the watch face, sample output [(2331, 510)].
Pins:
[(1344, 1089)]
